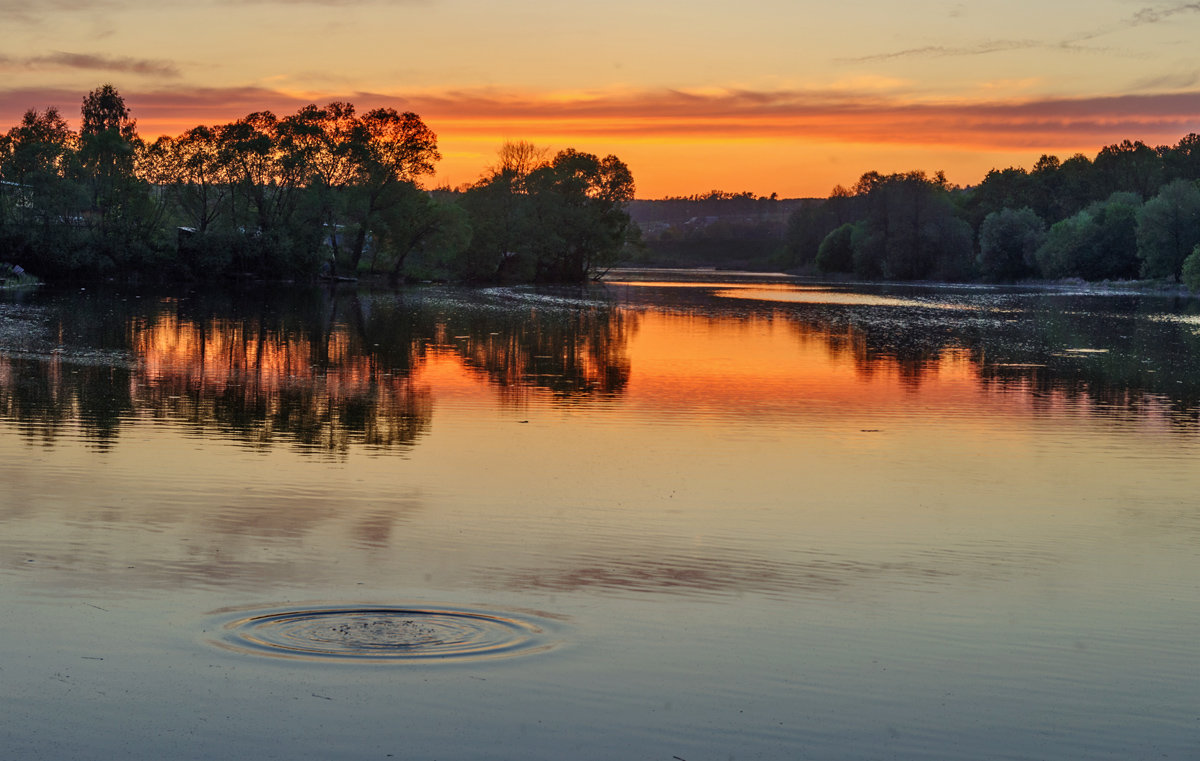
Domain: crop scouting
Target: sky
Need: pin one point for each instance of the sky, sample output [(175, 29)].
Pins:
[(767, 96)]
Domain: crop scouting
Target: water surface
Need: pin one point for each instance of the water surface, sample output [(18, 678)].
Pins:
[(705, 517)]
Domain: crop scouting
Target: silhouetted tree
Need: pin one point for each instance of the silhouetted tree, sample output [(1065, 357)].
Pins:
[(910, 229)]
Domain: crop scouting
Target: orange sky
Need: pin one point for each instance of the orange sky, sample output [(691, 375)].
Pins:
[(771, 96)]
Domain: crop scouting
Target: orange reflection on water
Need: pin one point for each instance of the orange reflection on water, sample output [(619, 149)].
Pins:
[(265, 383), (750, 366), (218, 353)]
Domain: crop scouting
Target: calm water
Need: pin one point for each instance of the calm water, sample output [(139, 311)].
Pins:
[(694, 518)]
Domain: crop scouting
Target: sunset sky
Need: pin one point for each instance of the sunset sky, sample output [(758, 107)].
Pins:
[(767, 96)]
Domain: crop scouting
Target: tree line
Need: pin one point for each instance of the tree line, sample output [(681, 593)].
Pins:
[(325, 190), (1131, 212)]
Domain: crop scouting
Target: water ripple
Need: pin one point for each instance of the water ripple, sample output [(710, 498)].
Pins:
[(380, 633)]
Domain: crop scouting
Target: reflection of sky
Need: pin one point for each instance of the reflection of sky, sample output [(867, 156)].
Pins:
[(745, 431), (773, 537)]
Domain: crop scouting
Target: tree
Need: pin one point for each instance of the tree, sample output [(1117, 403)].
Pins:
[(1191, 270), (1182, 161), (193, 168), (1168, 228), (39, 157), (808, 225), (520, 157), (1128, 167), (416, 222), (392, 152), (1007, 241), (108, 144), (40, 148), (1010, 188), (910, 229), (579, 204), (836, 252), (1064, 187), (1097, 243)]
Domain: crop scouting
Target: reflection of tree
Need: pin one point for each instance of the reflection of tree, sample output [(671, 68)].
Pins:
[(1105, 352), (1145, 364), (47, 396), (574, 354), (241, 378), (323, 370)]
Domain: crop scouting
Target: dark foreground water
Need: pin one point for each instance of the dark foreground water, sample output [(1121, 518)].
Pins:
[(698, 518)]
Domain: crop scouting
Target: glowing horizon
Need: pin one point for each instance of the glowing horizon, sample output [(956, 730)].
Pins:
[(769, 99)]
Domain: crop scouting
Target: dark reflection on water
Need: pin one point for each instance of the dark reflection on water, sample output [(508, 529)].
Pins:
[(325, 370)]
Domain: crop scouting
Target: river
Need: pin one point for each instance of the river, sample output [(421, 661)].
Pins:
[(671, 516)]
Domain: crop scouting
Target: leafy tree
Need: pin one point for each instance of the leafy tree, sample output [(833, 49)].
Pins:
[(108, 144), (1064, 187), (808, 225), (911, 230), (579, 206), (1007, 241), (1097, 243), (836, 253), (1010, 188), (317, 148), (1128, 166), (1182, 161), (558, 221), (412, 220), (503, 228), (262, 184), (40, 149), (1191, 270), (192, 168), (123, 221), (41, 209), (393, 150), (1168, 228)]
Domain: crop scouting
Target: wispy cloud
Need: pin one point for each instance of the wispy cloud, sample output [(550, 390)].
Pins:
[(986, 47), (93, 62), (23, 11), (1152, 15), (1146, 16)]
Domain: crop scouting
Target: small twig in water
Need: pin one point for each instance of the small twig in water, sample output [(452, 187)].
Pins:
[(97, 607)]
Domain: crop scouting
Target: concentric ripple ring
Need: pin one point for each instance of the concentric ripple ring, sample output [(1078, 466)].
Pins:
[(381, 633)]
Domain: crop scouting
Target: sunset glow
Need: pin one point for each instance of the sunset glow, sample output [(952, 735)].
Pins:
[(774, 97)]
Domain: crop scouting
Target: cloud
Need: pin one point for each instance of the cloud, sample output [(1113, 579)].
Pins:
[(1145, 16), (93, 62), (1152, 15), (825, 116), (711, 116), (942, 51)]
